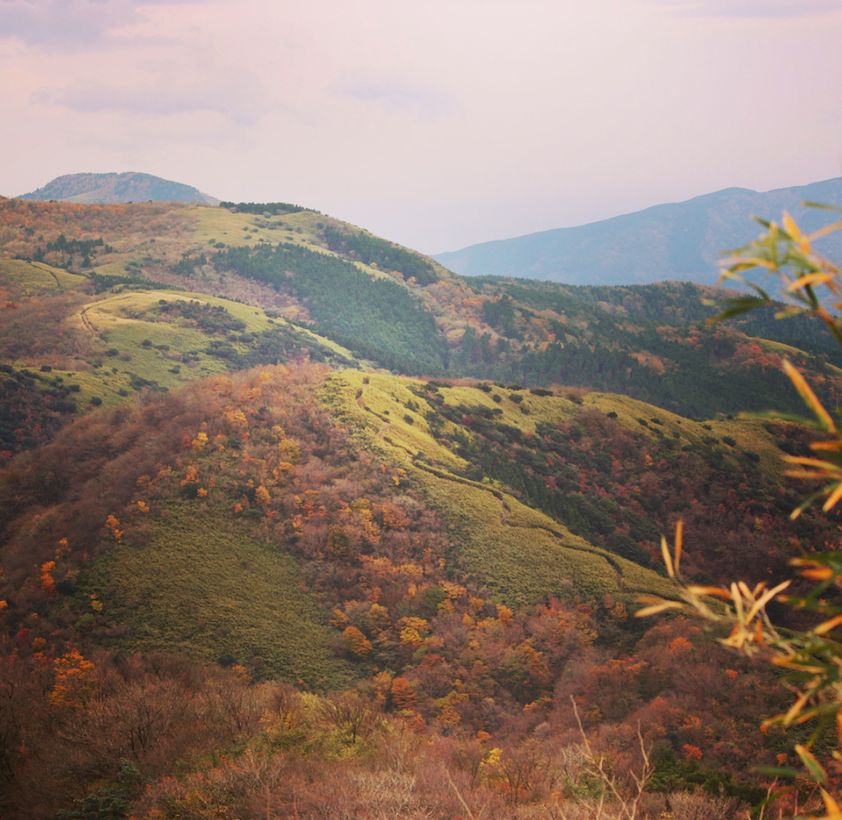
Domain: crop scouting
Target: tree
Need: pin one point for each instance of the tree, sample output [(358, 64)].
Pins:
[(810, 656)]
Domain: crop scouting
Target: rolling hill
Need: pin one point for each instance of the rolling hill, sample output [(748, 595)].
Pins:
[(253, 456), (112, 188), (365, 299), (681, 241)]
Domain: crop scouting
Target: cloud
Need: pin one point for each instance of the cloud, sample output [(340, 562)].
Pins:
[(69, 24), (235, 99), (751, 8), (395, 95)]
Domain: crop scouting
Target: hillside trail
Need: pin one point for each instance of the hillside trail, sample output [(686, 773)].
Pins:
[(85, 319), (505, 509), (46, 269), (87, 323)]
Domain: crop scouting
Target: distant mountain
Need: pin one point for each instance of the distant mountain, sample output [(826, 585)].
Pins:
[(681, 240), (114, 188)]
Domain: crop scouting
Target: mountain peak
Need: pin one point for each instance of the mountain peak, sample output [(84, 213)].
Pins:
[(667, 241), (113, 188)]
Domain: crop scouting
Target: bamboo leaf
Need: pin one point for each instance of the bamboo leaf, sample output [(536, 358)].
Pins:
[(821, 206), (656, 608), (679, 542), (809, 279), (716, 592), (767, 596), (791, 226), (812, 765), (833, 810), (833, 498), (665, 552), (777, 771), (809, 396), (738, 306), (827, 626), (796, 708)]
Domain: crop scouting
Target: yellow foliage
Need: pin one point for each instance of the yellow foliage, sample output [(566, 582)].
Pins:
[(74, 679), (191, 474), (504, 613), (454, 591)]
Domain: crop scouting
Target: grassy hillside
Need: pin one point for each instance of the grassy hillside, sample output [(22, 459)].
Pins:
[(201, 585), (319, 525), (516, 551), (402, 311)]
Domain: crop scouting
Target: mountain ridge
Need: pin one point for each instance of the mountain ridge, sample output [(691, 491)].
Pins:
[(676, 240)]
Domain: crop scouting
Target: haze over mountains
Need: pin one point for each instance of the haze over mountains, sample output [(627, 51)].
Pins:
[(670, 241), (116, 188), (682, 240)]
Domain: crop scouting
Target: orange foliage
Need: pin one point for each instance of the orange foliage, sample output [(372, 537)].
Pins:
[(74, 679), (403, 694), (48, 583), (356, 642)]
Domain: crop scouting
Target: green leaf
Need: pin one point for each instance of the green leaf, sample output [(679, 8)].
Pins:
[(777, 771), (822, 205), (740, 305)]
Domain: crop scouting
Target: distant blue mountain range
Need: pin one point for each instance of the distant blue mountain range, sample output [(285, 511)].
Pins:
[(682, 240)]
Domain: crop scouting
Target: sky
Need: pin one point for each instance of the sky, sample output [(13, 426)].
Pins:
[(434, 124)]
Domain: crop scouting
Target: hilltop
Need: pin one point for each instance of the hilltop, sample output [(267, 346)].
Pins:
[(112, 188), (681, 240)]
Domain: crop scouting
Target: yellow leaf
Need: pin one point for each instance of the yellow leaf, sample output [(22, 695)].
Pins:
[(654, 610), (834, 226), (796, 708), (667, 557), (833, 810), (809, 279), (748, 261), (808, 396), (717, 592), (765, 598), (791, 226), (833, 498), (832, 446), (827, 626), (817, 574), (679, 541)]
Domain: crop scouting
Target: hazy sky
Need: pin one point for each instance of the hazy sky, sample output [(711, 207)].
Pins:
[(435, 123)]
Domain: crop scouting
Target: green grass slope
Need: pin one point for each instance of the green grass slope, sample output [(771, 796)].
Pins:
[(201, 585), (519, 552), (402, 311)]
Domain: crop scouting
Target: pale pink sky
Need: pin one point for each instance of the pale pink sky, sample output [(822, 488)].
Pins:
[(435, 123)]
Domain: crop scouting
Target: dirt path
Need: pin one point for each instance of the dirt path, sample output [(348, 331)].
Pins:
[(87, 323), (45, 269)]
